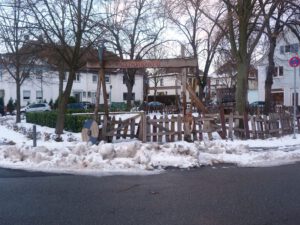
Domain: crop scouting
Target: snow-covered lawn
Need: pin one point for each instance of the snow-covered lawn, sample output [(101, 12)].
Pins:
[(132, 157)]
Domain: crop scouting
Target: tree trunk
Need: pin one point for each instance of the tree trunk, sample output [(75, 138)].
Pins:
[(129, 80), (269, 77), (129, 94), (62, 105), (242, 86), (61, 82), (18, 92)]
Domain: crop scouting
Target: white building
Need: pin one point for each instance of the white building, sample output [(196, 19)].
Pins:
[(38, 88), (283, 79), (168, 87)]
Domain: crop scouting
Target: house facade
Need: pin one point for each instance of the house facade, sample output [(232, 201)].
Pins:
[(167, 88), (43, 84), (283, 78)]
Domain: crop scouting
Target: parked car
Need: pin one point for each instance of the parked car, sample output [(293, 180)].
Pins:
[(76, 106), (39, 107), (2, 110), (259, 104), (88, 105), (155, 104), (228, 99)]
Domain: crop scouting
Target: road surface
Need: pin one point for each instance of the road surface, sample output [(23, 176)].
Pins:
[(204, 196)]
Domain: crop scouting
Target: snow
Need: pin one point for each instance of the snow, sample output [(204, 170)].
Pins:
[(133, 157)]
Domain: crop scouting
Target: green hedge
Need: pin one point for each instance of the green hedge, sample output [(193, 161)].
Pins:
[(73, 123)]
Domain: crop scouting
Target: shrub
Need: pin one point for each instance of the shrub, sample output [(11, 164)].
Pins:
[(71, 99), (73, 123), (10, 106), (1, 102)]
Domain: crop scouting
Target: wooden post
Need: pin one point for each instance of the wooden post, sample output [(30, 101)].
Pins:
[(184, 74), (230, 131), (246, 126), (147, 129), (179, 128), (167, 128), (96, 111), (154, 129), (144, 127), (222, 118), (254, 135), (102, 78)]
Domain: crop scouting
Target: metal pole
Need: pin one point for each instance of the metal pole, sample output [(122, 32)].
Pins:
[(294, 116), (34, 135)]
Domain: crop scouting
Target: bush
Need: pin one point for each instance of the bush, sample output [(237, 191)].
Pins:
[(10, 106), (73, 123), (1, 102), (71, 99)]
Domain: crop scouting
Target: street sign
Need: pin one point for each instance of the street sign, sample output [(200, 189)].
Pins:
[(294, 61)]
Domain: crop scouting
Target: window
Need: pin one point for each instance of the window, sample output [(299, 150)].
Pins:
[(84, 94), (1, 74), (26, 95), (293, 48), (39, 95), (89, 94), (287, 48), (278, 71), (95, 78), (125, 96), (77, 77), (107, 79)]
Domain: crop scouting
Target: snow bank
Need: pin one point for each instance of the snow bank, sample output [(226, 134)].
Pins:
[(133, 157)]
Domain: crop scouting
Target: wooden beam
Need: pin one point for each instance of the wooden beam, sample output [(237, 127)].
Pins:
[(164, 88), (147, 63)]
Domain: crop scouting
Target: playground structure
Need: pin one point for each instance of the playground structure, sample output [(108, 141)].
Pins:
[(183, 63)]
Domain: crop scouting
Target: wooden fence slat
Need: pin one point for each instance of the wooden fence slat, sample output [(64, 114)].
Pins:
[(230, 131), (153, 123), (253, 127), (118, 133), (246, 126), (160, 136), (179, 128), (222, 120), (148, 129), (172, 128), (167, 127), (132, 128)]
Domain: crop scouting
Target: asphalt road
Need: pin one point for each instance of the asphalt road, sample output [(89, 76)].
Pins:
[(205, 196)]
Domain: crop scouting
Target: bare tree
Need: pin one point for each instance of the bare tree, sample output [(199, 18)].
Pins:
[(245, 23), (203, 36), (20, 53), (134, 28), (274, 28), (67, 29)]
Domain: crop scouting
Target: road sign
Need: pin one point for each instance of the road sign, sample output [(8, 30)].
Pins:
[(294, 61)]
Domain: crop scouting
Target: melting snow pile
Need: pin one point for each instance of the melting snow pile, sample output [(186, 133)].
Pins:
[(133, 157)]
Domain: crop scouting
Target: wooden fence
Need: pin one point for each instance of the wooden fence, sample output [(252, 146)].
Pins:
[(170, 128)]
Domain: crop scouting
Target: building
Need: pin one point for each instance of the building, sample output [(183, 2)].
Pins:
[(43, 84), (283, 78), (224, 81)]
